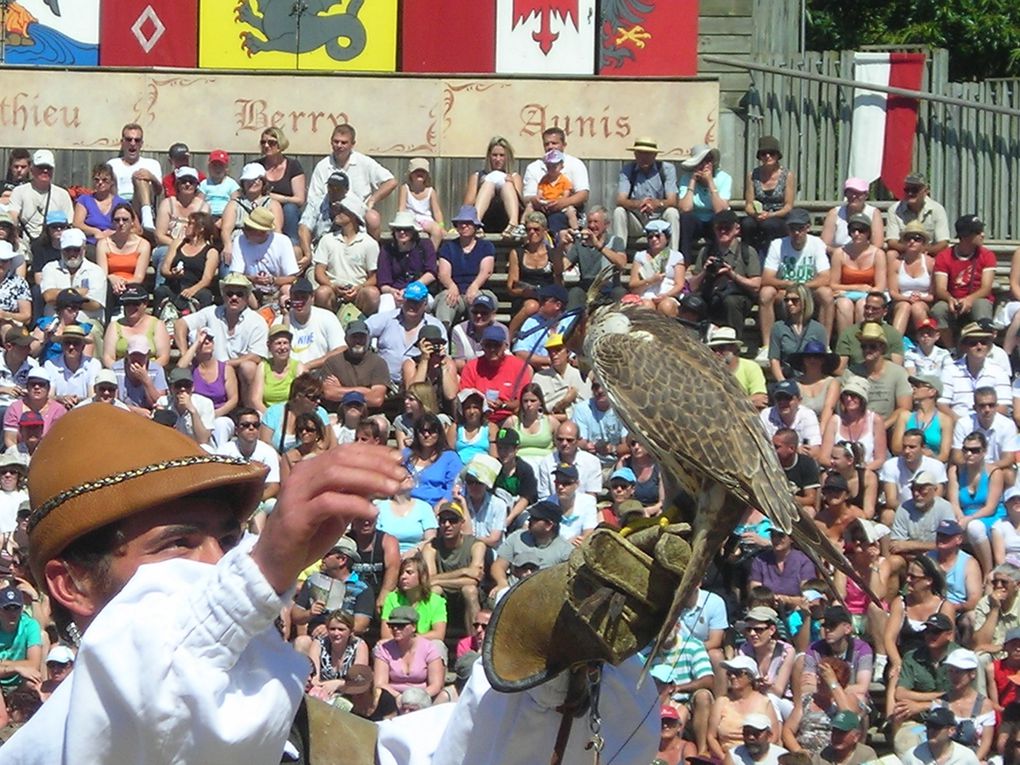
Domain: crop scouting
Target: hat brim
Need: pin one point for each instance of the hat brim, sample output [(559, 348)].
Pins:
[(654, 148), (829, 361), (692, 163), (252, 224), (87, 339)]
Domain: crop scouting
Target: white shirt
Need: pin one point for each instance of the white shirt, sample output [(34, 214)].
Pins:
[(178, 630), (10, 501), (583, 517), (206, 413), (797, 265), (89, 276), (122, 173), (250, 334), (263, 454), (573, 168), (895, 470), (922, 755), (347, 263), (958, 385), (739, 755), (275, 256), (805, 422), (589, 471), (318, 336), (650, 265), (30, 206), (364, 174), (1002, 436), (77, 383)]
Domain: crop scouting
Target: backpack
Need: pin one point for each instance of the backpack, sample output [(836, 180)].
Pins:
[(632, 176)]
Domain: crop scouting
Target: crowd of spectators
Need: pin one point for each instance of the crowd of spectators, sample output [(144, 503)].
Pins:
[(268, 318)]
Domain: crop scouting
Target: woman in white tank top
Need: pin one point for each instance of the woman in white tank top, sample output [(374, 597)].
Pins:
[(909, 279), (834, 229)]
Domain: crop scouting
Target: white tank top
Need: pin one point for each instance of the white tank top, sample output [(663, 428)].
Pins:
[(866, 439), (908, 283), (841, 236), (422, 208)]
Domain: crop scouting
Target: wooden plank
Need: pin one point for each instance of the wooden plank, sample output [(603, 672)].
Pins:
[(708, 8), (807, 108), (739, 45), (739, 25)]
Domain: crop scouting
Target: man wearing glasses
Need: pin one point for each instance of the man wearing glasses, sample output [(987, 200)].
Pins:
[(798, 258), (74, 272), (964, 277), (20, 642), (456, 561), (396, 332), (727, 272), (998, 429), (33, 201), (973, 370), (246, 446), (916, 205), (138, 177)]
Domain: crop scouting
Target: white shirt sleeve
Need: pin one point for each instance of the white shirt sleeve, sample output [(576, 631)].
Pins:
[(532, 175), (772, 259), (578, 173), (821, 258), (810, 430)]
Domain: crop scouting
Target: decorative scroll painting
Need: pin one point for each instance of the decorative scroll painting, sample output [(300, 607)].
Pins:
[(648, 38), (314, 35), (51, 32), (438, 116), (545, 36), (149, 33)]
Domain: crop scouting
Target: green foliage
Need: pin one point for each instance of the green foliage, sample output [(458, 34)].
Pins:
[(982, 36)]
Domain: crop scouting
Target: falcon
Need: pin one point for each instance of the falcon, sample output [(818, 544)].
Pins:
[(690, 413)]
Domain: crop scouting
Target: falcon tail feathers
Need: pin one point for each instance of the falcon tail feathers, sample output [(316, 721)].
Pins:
[(810, 540)]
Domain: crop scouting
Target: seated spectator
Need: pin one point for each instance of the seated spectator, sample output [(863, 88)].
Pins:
[(334, 587), (93, 213), (285, 180), (657, 274), (808, 728), (801, 469), (897, 472), (791, 335), (998, 611), (998, 433), (782, 569), (587, 253), (246, 445), (855, 422), (15, 363), (379, 554), (1005, 669), (333, 655), (414, 590), (964, 277), (356, 370), (174, 211), (431, 462), (703, 193), (975, 493), (836, 231), (933, 425), (531, 270), (561, 383), (141, 382), (797, 259), (456, 565), (788, 413), (21, 640), (836, 514), (15, 294), (74, 272), (316, 333), (683, 673), (705, 620), (600, 429), (868, 618), (647, 189), (589, 468), (405, 258), (432, 365), (254, 193), (723, 342), (940, 729), (579, 511), (501, 376), (105, 390), (123, 255), (554, 139), (813, 368), (925, 357), (648, 486), (726, 272), (516, 482), (486, 510), (773, 657), (469, 433), (465, 265), (279, 422), (673, 747), (845, 460), (540, 541), (910, 280), (239, 333), (350, 416), (218, 188), (214, 379), (30, 430), (410, 521), (72, 373), (848, 344), (419, 399), (1006, 532), (915, 521), (917, 205), (529, 342), (769, 192), (921, 608), (317, 219), (466, 337), (59, 663), (44, 249), (278, 372), (13, 490), (844, 745), (961, 570), (974, 369), (36, 401), (838, 642), (496, 190), (32, 202), (742, 698), (346, 260), (193, 412), (180, 156), (858, 268), (135, 321), (265, 257), (396, 332), (190, 268), (889, 390), (407, 660)]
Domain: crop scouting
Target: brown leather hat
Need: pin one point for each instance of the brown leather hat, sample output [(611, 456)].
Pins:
[(75, 490)]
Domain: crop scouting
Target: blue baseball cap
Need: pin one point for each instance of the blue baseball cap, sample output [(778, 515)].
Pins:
[(552, 292), (416, 291), (484, 301), (494, 334), (352, 397), (948, 528), (623, 474), (787, 388), (56, 216)]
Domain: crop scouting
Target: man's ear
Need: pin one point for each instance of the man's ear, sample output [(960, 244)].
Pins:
[(72, 589)]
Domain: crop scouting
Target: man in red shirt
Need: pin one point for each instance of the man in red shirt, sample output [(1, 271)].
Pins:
[(964, 274), (497, 374)]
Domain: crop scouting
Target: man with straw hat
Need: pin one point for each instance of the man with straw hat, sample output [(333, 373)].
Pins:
[(140, 548), (263, 255), (647, 189)]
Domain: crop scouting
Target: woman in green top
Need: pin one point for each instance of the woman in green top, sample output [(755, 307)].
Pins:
[(278, 371), (534, 425), (414, 588)]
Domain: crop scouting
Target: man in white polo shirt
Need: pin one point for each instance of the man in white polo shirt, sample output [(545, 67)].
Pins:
[(555, 139), (788, 413)]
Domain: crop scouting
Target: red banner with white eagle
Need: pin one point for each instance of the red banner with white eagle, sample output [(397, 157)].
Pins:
[(149, 33), (467, 44), (545, 36), (648, 38)]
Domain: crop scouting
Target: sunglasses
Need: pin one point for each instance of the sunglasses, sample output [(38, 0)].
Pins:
[(121, 220), (767, 153), (970, 342), (12, 607), (449, 520), (394, 627), (269, 142), (797, 228), (235, 293), (913, 238), (791, 299), (312, 397), (308, 430), (125, 139), (859, 230), (871, 346), (248, 425), (757, 630), (912, 189), (654, 234), (480, 624), (429, 432)]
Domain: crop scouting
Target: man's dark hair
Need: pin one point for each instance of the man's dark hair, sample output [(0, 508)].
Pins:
[(876, 293), (245, 411), (557, 132), (789, 435), (914, 432), (985, 390), (18, 153), (346, 129)]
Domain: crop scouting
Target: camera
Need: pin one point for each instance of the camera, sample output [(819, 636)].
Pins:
[(712, 267)]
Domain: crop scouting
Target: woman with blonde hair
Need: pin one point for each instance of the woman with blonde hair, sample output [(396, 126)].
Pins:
[(497, 190), (414, 589), (285, 178), (419, 398)]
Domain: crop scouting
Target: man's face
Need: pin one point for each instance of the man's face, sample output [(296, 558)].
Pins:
[(131, 142), (597, 223), (566, 441), (725, 233), (550, 308), (9, 477), (845, 740), (342, 144), (798, 234), (937, 640), (493, 351), (357, 344), (784, 448), (248, 428), (976, 348), (756, 741), (19, 170), (10, 615), (1003, 587), (552, 141), (450, 525), (948, 543), (833, 496), (72, 257), (872, 350), (413, 310), (301, 303), (644, 159), (42, 175), (58, 671), (481, 317), (333, 564), (558, 356), (73, 349), (985, 405), (912, 448), (566, 487), (235, 297), (939, 737), (923, 494), (834, 632), (255, 236), (874, 309), (600, 395), (786, 404)]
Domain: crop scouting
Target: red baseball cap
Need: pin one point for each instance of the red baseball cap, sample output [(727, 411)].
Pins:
[(669, 713), (929, 323), (218, 155)]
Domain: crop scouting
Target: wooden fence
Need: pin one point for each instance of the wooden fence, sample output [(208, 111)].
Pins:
[(970, 156)]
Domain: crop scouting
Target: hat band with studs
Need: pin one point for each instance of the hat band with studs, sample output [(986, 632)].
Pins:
[(40, 513)]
